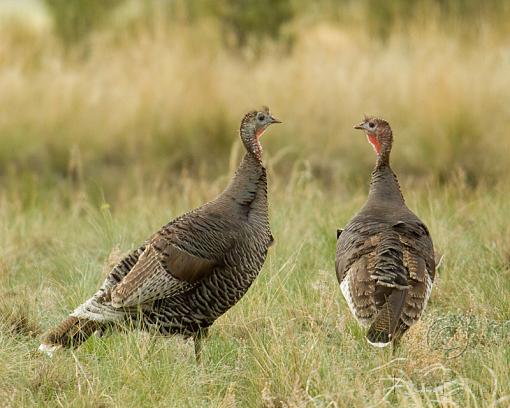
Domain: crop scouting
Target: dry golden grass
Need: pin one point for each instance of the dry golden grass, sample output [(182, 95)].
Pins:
[(173, 95)]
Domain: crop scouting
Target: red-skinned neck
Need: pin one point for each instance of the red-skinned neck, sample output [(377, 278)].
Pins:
[(250, 139), (384, 183), (259, 132), (372, 139), (382, 146)]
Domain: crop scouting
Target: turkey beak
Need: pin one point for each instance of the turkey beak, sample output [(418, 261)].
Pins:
[(274, 120), (360, 126)]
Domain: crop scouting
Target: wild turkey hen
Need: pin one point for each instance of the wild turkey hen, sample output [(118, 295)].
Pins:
[(194, 268), (384, 256)]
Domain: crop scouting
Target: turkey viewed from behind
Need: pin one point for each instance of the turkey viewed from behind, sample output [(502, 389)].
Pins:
[(384, 256), (194, 268)]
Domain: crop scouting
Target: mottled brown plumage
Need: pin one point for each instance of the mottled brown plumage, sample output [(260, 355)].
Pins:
[(385, 257), (193, 269)]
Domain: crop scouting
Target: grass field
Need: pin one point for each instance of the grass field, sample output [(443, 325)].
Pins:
[(98, 150), (290, 340)]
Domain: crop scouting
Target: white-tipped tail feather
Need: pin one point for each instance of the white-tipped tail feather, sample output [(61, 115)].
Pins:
[(380, 345), (48, 349)]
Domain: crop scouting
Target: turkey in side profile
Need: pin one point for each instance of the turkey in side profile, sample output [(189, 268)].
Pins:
[(384, 256), (194, 268)]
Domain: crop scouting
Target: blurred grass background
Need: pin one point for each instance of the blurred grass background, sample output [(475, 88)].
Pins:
[(160, 86), (116, 116)]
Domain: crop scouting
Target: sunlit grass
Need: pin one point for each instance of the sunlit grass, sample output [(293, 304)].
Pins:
[(290, 340)]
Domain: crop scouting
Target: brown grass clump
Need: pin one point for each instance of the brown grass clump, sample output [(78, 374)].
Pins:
[(17, 316)]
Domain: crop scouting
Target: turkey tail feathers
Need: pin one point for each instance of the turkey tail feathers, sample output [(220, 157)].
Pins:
[(382, 330), (72, 332)]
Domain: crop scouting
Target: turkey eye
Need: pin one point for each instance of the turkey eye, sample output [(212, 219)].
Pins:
[(371, 125), (261, 118)]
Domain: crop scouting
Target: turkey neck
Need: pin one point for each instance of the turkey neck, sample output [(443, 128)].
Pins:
[(249, 184), (384, 187)]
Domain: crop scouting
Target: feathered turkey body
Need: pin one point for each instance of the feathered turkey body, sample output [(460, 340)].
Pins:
[(384, 257), (193, 269)]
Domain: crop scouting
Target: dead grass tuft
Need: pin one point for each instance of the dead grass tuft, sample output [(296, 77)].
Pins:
[(17, 316)]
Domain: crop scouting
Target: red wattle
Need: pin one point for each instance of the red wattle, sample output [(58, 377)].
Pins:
[(374, 142), (259, 132)]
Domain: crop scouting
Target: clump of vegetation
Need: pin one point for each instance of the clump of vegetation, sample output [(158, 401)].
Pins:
[(17, 315), (250, 23), (74, 20), (454, 334)]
